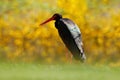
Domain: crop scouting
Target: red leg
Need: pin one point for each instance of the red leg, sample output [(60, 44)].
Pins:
[(69, 57)]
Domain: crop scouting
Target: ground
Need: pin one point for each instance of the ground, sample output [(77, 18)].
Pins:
[(31, 71)]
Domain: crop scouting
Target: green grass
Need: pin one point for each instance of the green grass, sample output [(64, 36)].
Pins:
[(23, 71)]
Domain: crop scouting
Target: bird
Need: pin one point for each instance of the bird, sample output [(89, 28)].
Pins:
[(70, 35)]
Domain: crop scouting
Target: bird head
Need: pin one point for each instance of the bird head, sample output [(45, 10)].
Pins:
[(54, 17)]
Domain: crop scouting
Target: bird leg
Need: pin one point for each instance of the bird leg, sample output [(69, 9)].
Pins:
[(69, 57)]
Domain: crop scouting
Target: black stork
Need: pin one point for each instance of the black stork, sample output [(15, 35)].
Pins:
[(70, 34)]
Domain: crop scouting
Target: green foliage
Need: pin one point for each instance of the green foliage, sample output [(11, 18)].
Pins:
[(23, 71)]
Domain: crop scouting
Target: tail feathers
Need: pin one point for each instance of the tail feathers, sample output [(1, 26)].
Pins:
[(82, 57)]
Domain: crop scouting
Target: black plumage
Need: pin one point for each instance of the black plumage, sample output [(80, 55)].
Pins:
[(70, 34)]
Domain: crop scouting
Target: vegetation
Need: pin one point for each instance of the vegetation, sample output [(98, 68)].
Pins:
[(24, 71), (22, 39), (32, 52)]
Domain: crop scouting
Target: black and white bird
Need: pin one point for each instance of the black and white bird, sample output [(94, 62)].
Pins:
[(70, 34)]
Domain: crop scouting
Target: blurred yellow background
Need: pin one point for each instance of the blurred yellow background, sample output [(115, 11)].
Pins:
[(22, 39)]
